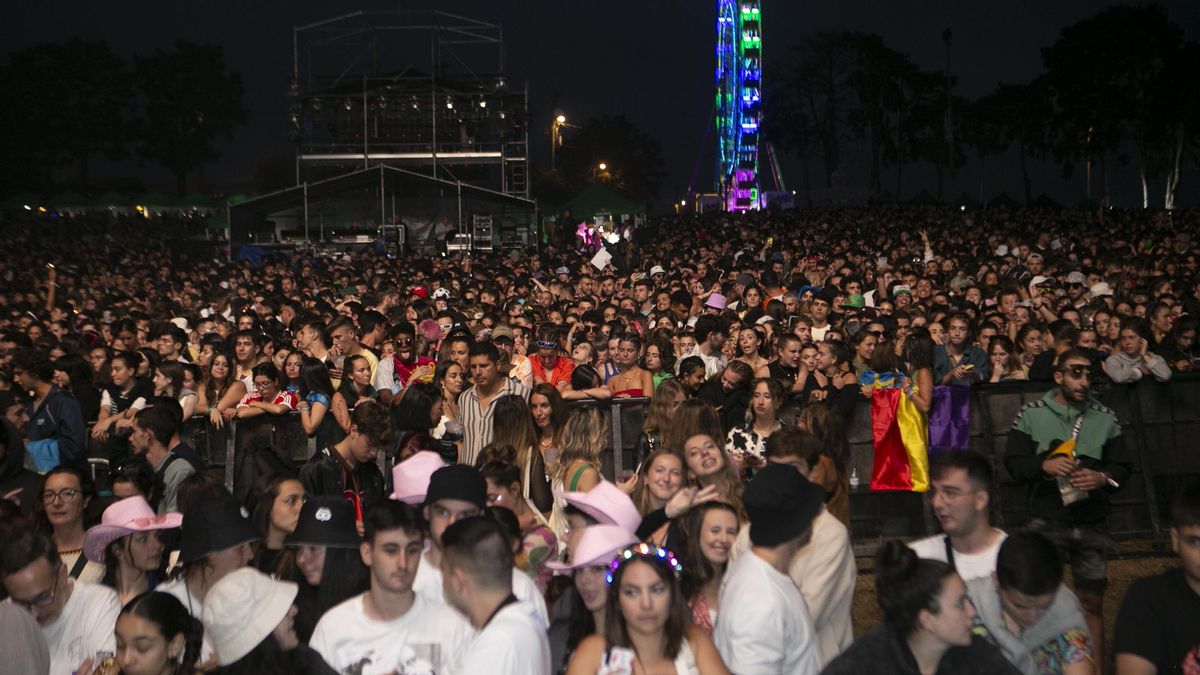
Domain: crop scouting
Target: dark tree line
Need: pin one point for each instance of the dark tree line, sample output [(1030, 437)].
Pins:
[(75, 102), (1120, 87)]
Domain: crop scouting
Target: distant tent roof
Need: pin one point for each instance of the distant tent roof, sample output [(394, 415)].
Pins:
[(197, 200), (1045, 202), (1003, 199), (923, 197), (21, 200), (68, 198), (155, 199), (596, 198), (111, 198)]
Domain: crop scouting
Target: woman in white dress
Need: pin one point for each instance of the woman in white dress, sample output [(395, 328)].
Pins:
[(650, 633)]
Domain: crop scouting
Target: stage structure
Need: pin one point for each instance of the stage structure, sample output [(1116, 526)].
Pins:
[(421, 91), (738, 102)]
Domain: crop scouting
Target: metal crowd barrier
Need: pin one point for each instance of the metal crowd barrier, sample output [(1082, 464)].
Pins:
[(1160, 422)]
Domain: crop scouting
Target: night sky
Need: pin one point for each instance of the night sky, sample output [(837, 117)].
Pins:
[(651, 60)]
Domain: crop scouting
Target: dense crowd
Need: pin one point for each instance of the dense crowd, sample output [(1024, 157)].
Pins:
[(456, 516)]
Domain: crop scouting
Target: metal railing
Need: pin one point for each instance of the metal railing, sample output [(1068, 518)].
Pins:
[(1160, 421)]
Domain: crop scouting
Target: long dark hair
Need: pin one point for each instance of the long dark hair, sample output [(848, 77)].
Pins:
[(261, 501), (172, 619), (267, 658), (213, 391), (918, 350), (412, 413), (348, 389), (77, 369), (905, 584), (678, 618), (697, 570), (112, 561), (314, 376)]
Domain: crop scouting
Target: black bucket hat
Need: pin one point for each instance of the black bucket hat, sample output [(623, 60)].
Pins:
[(326, 521), (214, 526)]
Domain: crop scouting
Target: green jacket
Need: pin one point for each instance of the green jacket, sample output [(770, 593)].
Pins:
[(1100, 447)]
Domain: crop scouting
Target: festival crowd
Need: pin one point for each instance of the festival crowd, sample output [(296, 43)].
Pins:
[(456, 516)]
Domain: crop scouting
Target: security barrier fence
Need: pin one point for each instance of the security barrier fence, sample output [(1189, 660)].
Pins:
[(1160, 422)]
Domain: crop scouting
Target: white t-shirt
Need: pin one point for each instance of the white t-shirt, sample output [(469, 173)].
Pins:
[(426, 638), (178, 588), (969, 567), (514, 642), (429, 584), (764, 626), (818, 334), (85, 627)]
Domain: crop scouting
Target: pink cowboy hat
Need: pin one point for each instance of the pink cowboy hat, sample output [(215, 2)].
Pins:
[(129, 515), (410, 478), (606, 504), (597, 546)]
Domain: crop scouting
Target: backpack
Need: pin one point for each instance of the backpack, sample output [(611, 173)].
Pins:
[(254, 462)]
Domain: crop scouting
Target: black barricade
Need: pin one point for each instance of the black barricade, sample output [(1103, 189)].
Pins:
[(1160, 422)]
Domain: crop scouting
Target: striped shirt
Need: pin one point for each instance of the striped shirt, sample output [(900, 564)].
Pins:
[(477, 421)]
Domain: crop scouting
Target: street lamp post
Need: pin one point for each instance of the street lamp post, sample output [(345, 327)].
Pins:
[(556, 139)]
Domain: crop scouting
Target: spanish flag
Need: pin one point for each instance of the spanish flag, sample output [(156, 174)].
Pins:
[(901, 434)]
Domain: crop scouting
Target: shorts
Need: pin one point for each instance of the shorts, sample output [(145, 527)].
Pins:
[(1085, 547)]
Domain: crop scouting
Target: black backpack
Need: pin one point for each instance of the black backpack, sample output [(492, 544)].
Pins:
[(256, 461)]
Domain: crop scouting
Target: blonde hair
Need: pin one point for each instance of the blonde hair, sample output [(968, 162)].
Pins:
[(582, 440), (641, 487), (658, 415)]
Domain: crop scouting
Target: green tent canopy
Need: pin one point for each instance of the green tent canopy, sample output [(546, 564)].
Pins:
[(67, 199), (112, 198), (596, 199)]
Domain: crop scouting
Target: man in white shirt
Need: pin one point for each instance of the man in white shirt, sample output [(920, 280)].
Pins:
[(456, 492), (962, 484), (390, 628), (824, 569), (477, 563), (764, 627), (77, 619)]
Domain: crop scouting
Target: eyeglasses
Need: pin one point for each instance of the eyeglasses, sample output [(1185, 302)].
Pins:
[(293, 500), (66, 496), (44, 600), (645, 552), (1075, 372), (445, 326)]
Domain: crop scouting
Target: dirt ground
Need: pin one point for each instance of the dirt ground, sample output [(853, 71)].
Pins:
[(1135, 561)]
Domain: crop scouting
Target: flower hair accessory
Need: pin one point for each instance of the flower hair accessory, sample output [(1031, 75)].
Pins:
[(642, 550)]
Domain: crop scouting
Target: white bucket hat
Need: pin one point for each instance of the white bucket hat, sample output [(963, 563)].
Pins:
[(242, 609)]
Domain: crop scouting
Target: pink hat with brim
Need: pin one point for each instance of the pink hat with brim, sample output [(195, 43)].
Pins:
[(410, 478), (597, 546), (129, 515), (606, 504), (715, 301)]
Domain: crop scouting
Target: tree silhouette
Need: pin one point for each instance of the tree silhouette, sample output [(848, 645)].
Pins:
[(633, 158), (74, 102), (1013, 115), (1109, 81), (190, 99)]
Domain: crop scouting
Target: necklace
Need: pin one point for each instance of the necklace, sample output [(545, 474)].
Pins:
[(546, 443), (74, 551)]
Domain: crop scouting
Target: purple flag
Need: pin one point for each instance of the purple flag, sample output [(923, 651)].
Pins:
[(950, 419)]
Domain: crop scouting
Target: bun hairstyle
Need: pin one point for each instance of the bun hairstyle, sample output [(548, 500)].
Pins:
[(172, 619), (499, 462), (905, 584)]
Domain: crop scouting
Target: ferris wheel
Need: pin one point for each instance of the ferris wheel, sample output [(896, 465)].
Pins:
[(738, 102)]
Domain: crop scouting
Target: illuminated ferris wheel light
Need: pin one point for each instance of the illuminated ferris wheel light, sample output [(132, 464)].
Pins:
[(738, 102)]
